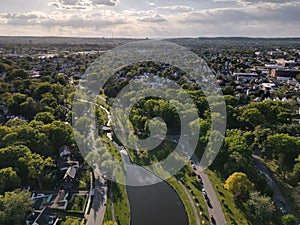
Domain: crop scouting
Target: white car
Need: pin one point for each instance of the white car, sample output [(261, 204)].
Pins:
[(282, 210)]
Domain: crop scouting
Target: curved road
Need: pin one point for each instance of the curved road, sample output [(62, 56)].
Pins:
[(278, 198)]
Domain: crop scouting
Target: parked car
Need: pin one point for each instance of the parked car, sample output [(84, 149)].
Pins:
[(208, 203), (199, 178), (204, 193), (212, 219)]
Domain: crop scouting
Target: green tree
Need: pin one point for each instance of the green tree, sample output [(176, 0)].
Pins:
[(252, 117), (228, 90), (14, 206), (28, 165), (232, 116), (9, 180), (4, 130), (295, 175), (262, 206), (260, 139), (59, 134), (4, 67), (28, 108), (82, 125), (289, 220), (15, 73), (14, 123), (71, 221), (45, 117), (14, 104), (284, 148)]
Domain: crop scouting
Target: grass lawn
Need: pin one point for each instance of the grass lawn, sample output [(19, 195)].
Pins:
[(119, 194), (77, 204), (108, 214), (121, 204), (84, 180), (70, 220), (232, 214), (188, 207), (189, 180)]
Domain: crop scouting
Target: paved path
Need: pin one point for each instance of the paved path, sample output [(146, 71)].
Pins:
[(277, 195), (216, 208), (192, 203), (98, 208)]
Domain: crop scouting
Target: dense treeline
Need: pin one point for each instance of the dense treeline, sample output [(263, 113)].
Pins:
[(35, 117)]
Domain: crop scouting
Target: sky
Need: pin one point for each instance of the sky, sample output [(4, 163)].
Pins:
[(150, 18)]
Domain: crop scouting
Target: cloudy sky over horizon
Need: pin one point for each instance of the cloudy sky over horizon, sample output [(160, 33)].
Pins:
[(150, 18)]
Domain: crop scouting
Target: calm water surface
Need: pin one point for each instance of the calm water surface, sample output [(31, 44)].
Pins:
[(157, 204)]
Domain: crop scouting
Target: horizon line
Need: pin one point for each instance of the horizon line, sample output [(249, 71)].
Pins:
[(150, 38)]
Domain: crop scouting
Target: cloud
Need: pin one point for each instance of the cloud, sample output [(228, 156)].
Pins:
[(82, 4), (22, 19), (156, 18), (268, 19), (105, 2), (259, 2), (176, 8), (243, 21), (59, 19)]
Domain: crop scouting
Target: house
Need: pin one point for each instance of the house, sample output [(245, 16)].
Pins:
[(64, 163), (287, 63), (44, 217), (71, 172), (276, 53), (245, 76), (286, 73), (268, 86), (70, 177)]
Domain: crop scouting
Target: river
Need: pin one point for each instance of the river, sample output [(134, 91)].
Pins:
[(156, 204)]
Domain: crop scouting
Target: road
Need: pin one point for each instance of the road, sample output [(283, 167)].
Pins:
[(216, 208), (278, 198), (98, 208)]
